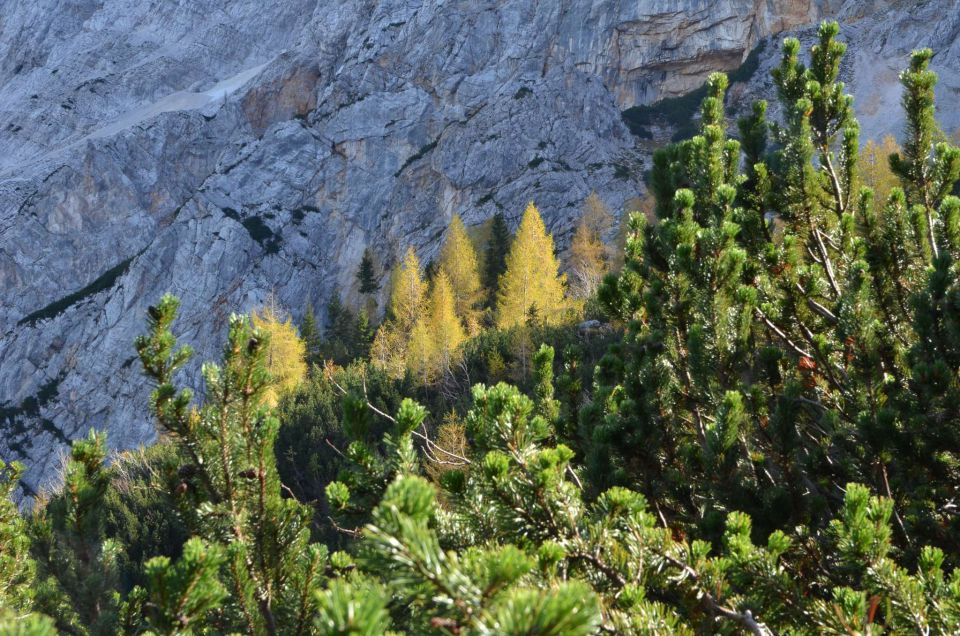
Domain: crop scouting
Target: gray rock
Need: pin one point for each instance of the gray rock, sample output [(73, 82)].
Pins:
[(226, 151)]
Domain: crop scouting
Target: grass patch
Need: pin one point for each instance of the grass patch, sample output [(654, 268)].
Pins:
[(103, 282), (536, 161), (522, 92)]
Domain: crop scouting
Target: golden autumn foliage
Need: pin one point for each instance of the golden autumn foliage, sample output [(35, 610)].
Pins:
[(437, 334), (286, 353), (420, 352), (587, 262), (532, 284), (875, 167), (590, 258), (388, 350), (458, 260), (444, 324), (408, 291)]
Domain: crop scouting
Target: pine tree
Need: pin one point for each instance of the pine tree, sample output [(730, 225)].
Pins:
[(17, 567), (458, 261), (547, 406), (229, 488), (367, 274), (531, 282), (285, 355), (495, 256), (768, 447), (682, 292), (182, 596), (761, 358), (77, 562)]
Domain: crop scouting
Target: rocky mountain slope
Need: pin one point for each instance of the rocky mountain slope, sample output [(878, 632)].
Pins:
[(225, 151)]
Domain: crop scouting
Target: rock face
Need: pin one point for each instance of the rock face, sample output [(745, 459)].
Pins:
[(225, 151)]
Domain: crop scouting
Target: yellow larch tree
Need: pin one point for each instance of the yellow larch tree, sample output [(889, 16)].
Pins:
[(444, 323), (286, 352), (590, 258), (390, 349), (875, 167), (458, 260), (408, 291), (421, 351), (437, 334), (531, 284)]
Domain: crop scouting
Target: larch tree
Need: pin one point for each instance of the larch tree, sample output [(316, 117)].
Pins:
[(407, 293), (458, 260), (445, 326), (389, 349), (437, 335), (531, 284), (590, 258), (875, 171), (421, 352), (286, 353)]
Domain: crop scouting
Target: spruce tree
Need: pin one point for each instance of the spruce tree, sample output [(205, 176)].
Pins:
[(367, 274), (338, 332), (311, 336), (495, 256)]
